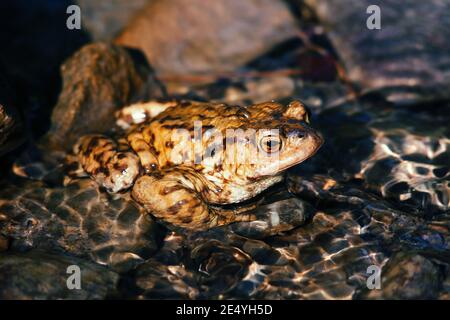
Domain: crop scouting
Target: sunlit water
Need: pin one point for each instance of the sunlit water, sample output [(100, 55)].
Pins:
[(379, 186)]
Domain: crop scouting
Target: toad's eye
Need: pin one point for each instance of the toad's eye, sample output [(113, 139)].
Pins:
[(270, 144)]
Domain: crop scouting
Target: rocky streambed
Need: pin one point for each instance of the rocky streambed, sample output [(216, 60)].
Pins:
[(377, 194)]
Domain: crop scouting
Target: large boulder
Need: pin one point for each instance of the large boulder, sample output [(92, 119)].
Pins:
[(188, 36)]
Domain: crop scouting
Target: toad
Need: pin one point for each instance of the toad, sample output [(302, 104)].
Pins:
[(183, 160)]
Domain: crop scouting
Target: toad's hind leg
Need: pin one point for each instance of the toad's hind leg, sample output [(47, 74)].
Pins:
[(102, 159), (141, 111), (172, 198)]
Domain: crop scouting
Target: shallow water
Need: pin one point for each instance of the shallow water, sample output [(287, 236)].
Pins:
[(378, 187)]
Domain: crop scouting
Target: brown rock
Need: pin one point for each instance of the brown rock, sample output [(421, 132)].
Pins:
[(97, 79), (188, 36)]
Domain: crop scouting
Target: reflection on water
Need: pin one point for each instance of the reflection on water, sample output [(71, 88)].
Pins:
[(379, 186)]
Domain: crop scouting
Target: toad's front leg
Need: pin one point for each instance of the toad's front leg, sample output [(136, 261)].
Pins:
[(172, 197), (101, 158)]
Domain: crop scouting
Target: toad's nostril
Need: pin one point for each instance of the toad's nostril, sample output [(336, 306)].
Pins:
[(301, 134), (294, 133), (298, 134)]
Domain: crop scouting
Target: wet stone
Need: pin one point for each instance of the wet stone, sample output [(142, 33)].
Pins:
[(408, 55), (407, 276), (383, 144), (278, 262), (326, 253), (220, 264), (274, 218), (39, 275), (154, 280), (262, 253), (81, 224)]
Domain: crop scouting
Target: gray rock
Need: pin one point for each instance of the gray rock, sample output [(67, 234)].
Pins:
[(410, 50)]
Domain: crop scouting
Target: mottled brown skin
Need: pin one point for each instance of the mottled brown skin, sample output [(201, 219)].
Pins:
[(181, 173)]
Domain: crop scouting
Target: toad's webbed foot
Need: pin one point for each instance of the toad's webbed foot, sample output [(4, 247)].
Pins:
[(172, 197), (100, 158)]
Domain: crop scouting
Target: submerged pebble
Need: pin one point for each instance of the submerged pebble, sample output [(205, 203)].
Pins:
[(39, 275)]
